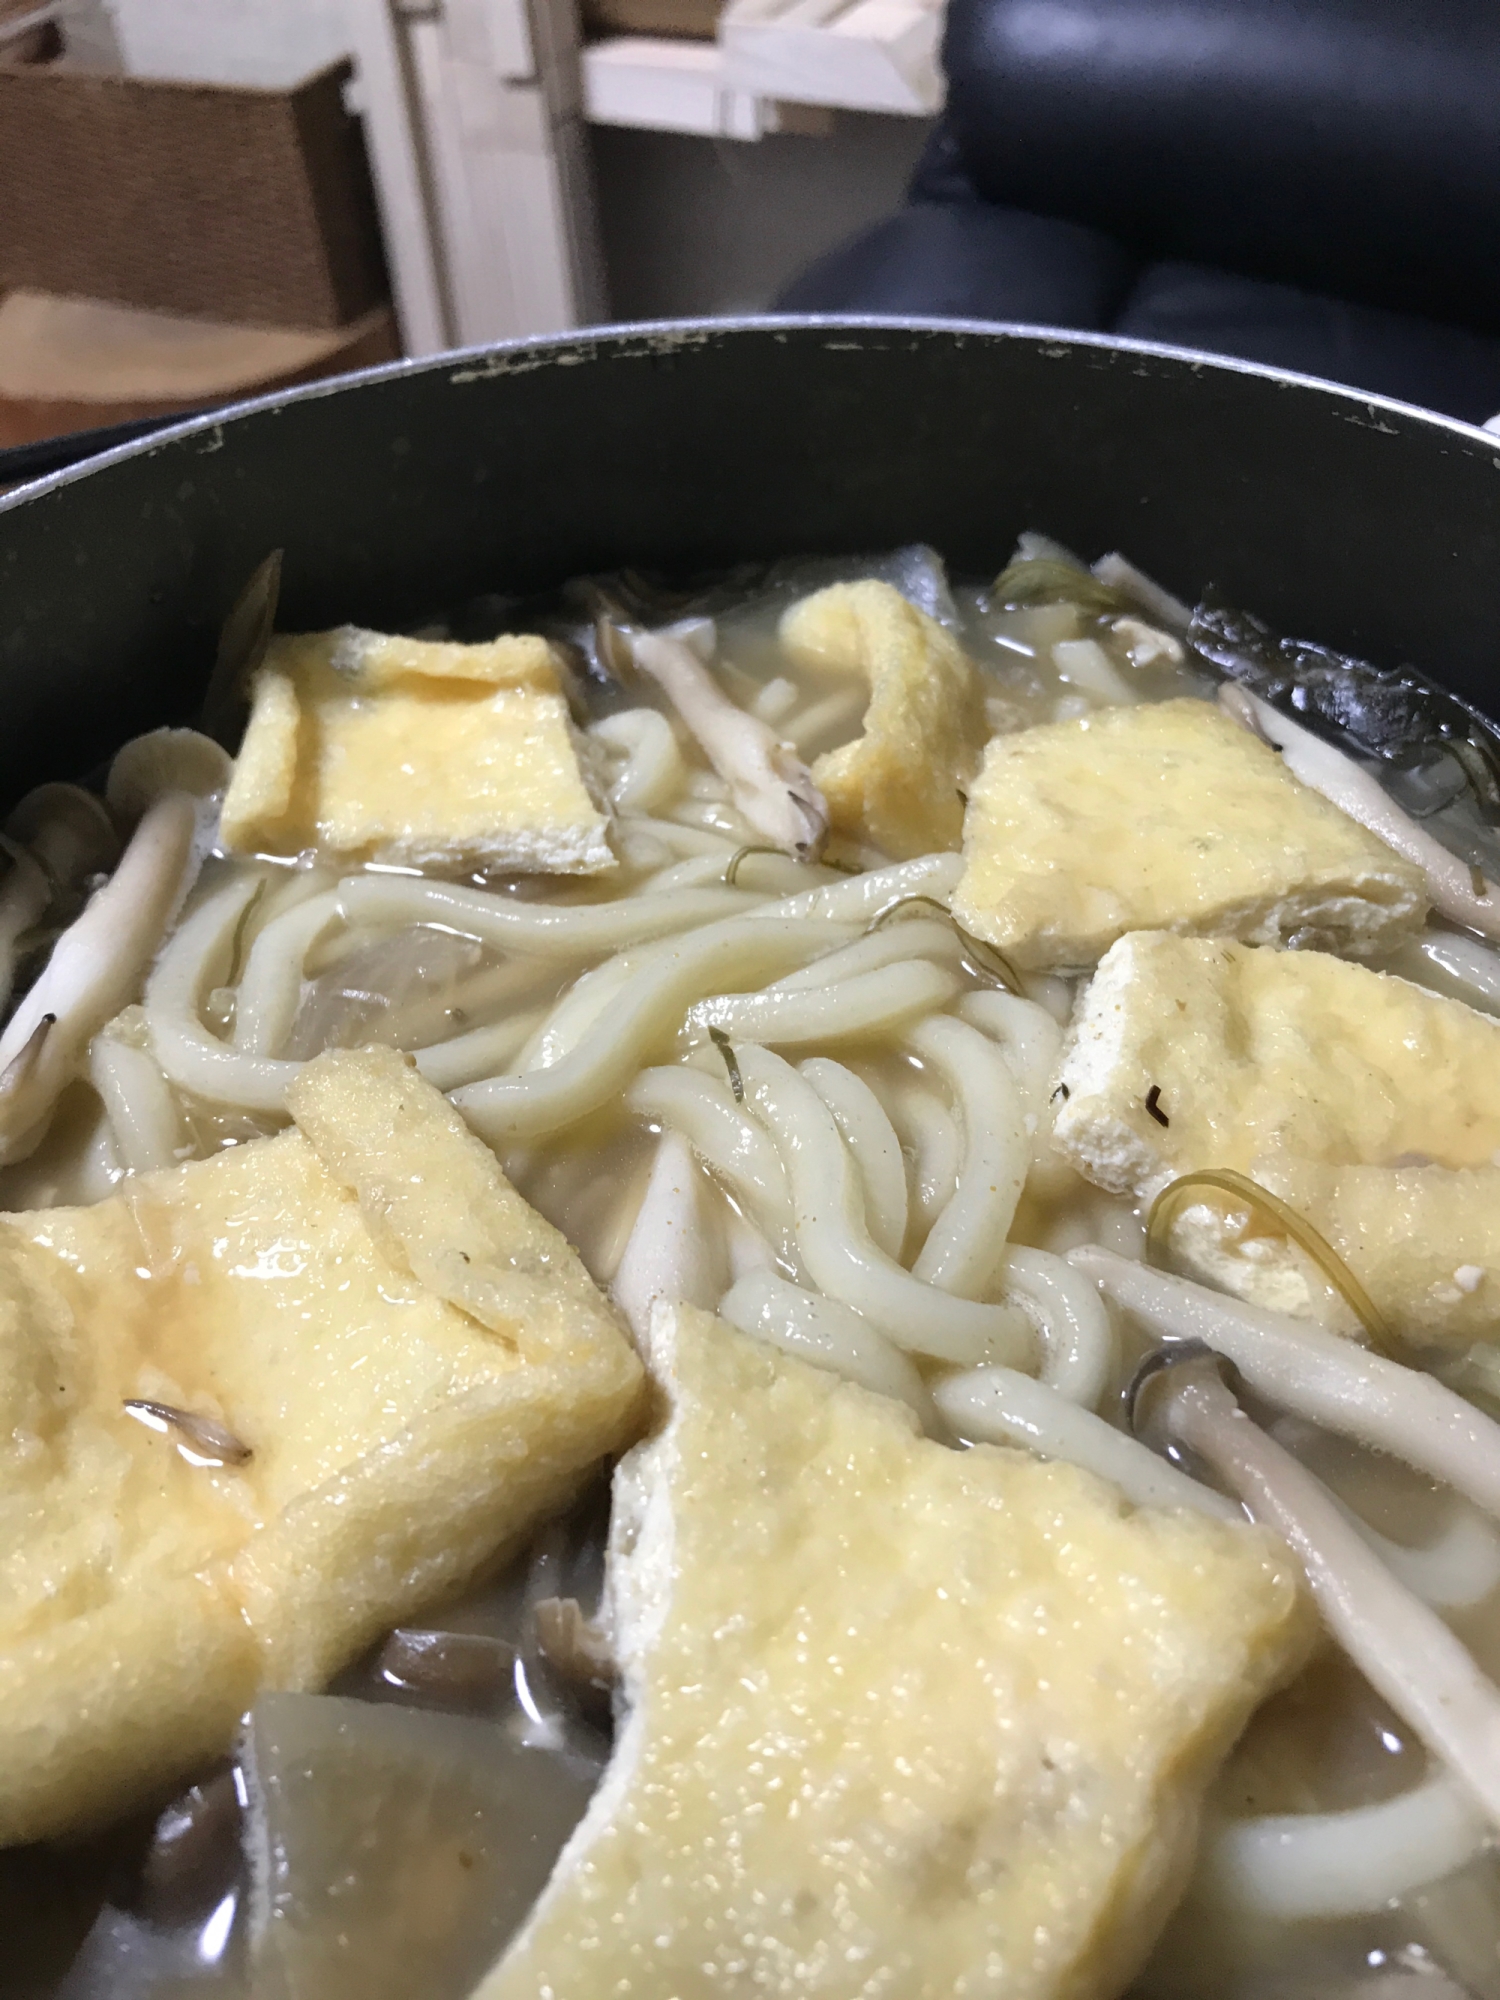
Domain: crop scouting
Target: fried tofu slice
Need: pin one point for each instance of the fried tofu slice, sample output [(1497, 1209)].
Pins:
[(1167, 817), (934, 1719), (1368, 1103), (898, 784), (1424, 1242), (371, 747), (404, 1425)]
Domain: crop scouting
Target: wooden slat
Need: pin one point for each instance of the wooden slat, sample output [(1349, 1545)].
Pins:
[(872, 55), (394, 137), (667, 86)]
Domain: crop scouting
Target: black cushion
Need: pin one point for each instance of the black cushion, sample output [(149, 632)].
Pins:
[(969, 261), (940, 173), (1348, 146), (1392, 354)]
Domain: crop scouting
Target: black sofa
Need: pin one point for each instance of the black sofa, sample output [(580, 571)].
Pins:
[(1312, 183)]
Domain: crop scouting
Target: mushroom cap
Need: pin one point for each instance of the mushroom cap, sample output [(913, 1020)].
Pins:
[(68, 830), (165, 760)]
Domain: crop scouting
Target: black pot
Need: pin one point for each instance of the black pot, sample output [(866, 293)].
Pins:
[(408, 490)]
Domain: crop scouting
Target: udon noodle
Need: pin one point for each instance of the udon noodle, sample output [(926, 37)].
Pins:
[(790, 1089)]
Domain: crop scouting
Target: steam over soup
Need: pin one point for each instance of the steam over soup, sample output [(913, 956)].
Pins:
[(790, 1288)]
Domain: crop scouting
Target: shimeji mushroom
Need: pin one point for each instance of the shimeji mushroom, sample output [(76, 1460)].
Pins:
[(1180, 1402), (1320, 1375), (95, 968), (54, 840), (768, 782), (165, 760), (1451, 883)]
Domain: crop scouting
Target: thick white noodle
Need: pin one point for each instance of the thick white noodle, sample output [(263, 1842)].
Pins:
[(895, 944), (1293, 1867), (833, 718), (482, 1052), (871, 1138), (1447, 962), (714, 816), (827, 1333), (139, 1102), (857, 1008), (775, 701), (270, 987), (1084, 664), (1079, 1350), (833, 1237), (1052, 994), (653, 772), (759, 873), (575, 1012), (98, 1169), (1318, 1374), (1403, 1649), (736, 1148), (705, 785), (857, 898), (1028, 1036), (965, 1243), (931, 1141), (1002, 1406), (1455, 1569), (580, 930), (672, 1252), (667, 838), (191, 1056), (744, 951), (1453, 1572)]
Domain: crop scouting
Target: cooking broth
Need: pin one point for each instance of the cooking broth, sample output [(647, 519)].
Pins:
[(350, 1851)]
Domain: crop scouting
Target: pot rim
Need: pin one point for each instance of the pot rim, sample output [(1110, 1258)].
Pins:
[(580, 345)]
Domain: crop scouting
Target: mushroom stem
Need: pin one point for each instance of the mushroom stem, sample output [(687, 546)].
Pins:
[(1318, 765), (767, 780), (1320, 1375), (1403, 1649), (95, 970)]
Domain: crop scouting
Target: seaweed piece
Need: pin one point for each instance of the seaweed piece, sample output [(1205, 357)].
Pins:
[(1311, 1241)]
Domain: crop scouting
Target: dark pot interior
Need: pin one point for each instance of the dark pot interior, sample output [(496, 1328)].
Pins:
[(1366, 525)]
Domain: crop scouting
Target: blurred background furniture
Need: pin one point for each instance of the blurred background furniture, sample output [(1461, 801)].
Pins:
[(167, 245), (1311, 183), (534, 165)]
